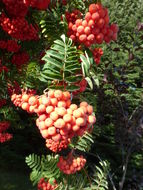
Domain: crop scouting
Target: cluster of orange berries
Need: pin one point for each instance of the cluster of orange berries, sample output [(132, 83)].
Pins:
[(70, 164), (45, 185), (94, 29), (58, 119)]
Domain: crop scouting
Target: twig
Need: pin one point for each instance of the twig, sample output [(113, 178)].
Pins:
[(87, 176)]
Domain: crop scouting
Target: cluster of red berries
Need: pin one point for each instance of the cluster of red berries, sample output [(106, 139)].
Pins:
[(97, 53), (4, 125), (13, 88), (2, 102), (38, 4), (10, 45), (20, 59), (70, 164), (45, 185), (16, 8), (3, 68), (58, 119), (72, 17), (94, 29), (18, 28), (82, 84)]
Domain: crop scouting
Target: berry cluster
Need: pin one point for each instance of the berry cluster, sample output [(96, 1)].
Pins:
[(4, 125), (38, 4), (45, 185), (94, 29), (20, 59), (16, 8), (10, 45), (3, 68), (2, 102), (18, 28), (82, 85), (97, 53), (13, 88), (58, 119), (70, 164)]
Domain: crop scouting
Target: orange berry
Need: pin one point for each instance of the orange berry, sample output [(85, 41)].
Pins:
[(70, 111), (51, 93), (62, 104), (91, 119), (25, 97), (67, 118), (73, 120), (83, 37), (25, 106), (42, 125), (37, 122), (91, 23), (95, 16), (61, 111), (32, 109), (42, 117), (87, 30), (75, 128), (93, 8), (49, 109), (56, 137), (44, 133), (68, 126), (80, 29), (41, 108), (51, 131), (89, 109), (60, 123), (80, 121), (54, 101), (45, 100), (68, 103), (84, 109), (48, 122), (32, 100), (73, 107), (66, 95), (84, 23), (63, 131), (78, 22), (58, 94), (88, 16), (77, 113), (83, 104), (54, 116)]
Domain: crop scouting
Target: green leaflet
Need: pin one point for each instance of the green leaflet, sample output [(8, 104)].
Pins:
[(83, 143), (45, 166)]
